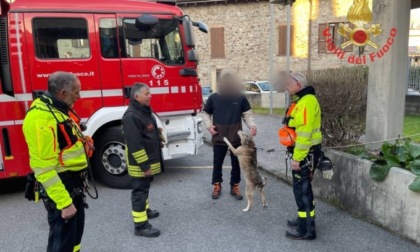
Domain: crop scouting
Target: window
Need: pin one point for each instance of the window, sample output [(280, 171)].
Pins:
[(80, 43), (251, 87), (59, 38), (109, 39), (283, 40), (217, 42), (265, 86), (162, 42), (336, 38)]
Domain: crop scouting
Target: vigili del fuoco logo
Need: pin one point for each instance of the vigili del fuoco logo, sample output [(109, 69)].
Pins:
[(361, 35)]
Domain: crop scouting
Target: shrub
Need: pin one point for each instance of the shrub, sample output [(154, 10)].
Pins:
[(342, 94), (402, 154)]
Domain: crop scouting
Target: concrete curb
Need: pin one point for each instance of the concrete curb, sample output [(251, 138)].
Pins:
[(388, 204)]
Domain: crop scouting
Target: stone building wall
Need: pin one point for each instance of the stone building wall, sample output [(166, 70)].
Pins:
[(247, 36)]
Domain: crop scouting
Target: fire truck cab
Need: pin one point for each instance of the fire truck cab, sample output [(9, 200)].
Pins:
[(108, 45)]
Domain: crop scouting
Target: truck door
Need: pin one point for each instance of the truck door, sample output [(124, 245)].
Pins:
[(109, 59), (153, 55), (65, 42)]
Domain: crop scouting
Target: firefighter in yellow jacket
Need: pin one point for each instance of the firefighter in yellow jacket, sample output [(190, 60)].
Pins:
[(304, 118), (58, 160), (143, 150)]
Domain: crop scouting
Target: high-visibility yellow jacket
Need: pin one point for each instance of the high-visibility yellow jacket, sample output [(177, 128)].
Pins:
[(50, 151), (306, 119)]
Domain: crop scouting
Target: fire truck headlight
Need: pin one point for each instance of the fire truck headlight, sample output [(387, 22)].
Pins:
[(200, 127)]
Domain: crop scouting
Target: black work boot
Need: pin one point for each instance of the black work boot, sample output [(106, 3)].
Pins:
[(146, 230), (236, 192), (292, 223), (151, 214), (217, 190), (295, 234)]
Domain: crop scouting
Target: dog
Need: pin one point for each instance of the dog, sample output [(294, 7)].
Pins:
[(247, 155)]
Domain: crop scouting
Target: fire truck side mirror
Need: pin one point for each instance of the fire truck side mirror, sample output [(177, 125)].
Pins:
[(146, 22), (201, 26), (189, 37)]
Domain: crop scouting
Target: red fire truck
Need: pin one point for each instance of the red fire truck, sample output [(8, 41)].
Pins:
[(109, 45)]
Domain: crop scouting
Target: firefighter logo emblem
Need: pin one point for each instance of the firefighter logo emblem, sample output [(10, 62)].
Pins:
[(360, 16), (158, 71)]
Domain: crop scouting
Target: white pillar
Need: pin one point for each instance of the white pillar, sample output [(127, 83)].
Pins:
[(387, 75)]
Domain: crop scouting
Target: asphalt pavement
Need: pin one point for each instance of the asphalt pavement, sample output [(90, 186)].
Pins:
[(191, 221)]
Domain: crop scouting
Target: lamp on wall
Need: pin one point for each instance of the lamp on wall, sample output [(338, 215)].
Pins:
[(283, 2)]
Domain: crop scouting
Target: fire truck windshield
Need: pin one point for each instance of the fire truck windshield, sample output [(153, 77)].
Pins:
[(162, 41)]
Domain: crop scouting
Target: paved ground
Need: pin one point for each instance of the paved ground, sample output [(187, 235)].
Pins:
[(271, 155), (191, 221)]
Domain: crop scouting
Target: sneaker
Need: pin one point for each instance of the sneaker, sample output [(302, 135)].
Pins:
[(151, 214), (149, 231), (236, 192), (217, 190)]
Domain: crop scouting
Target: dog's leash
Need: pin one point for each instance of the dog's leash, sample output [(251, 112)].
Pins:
[(268, 150)]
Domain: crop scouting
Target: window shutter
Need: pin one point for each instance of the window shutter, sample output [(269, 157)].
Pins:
[(350, 47), (283, 40), (322, 45), (292, 39), (217, 42)]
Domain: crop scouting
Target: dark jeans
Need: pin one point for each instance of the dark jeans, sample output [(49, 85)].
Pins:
[(219, 153), (66, 235)]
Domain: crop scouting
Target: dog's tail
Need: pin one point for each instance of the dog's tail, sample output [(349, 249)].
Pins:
[(264, 179)]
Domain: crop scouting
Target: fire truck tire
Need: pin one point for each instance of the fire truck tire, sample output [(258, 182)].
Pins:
[(109, 161)]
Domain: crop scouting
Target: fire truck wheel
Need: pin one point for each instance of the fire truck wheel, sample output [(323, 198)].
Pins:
[(109, 161)]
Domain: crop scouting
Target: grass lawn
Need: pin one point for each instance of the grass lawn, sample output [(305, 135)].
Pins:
[(411, 123), (412, 126), (266, 111)]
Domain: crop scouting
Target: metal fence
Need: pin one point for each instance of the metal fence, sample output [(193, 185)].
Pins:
[(413, 78)]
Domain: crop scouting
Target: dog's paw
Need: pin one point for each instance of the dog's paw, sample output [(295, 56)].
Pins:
[(225, 139), (245, 210), (265, 205)]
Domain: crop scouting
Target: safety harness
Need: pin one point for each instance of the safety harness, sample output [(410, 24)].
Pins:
[(66, 139)]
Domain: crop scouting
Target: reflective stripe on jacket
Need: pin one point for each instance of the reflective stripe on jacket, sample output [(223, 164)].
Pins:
[(142, 140), (306, 119), (48, 149)]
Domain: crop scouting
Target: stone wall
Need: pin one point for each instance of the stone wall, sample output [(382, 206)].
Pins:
[(389, 204), (247, 36)]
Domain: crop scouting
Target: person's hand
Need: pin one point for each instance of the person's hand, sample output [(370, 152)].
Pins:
[(148, 173), (68, 212), (295, 165), (253, 131), (212, 130)]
